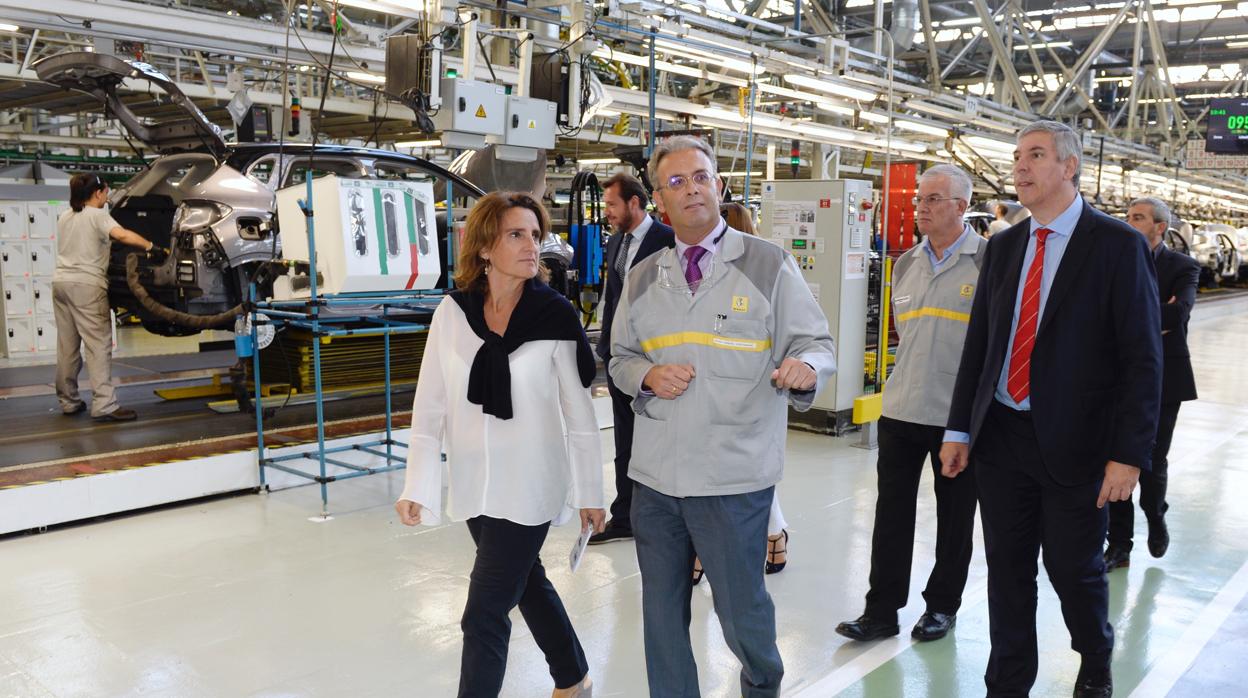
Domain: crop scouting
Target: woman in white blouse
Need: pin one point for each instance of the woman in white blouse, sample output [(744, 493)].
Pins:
[(505, 376)]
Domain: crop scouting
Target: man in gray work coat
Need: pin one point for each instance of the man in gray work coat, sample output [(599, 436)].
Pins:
[(933, 285), (714, 339)]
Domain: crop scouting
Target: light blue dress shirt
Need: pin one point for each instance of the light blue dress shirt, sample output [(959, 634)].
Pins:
[(1054, 248), (950, 251)]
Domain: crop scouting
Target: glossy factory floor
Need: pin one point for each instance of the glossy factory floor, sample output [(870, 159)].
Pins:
[(249, 596)]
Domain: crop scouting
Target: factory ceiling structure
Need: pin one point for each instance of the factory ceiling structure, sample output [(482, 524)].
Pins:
[(851, 84)]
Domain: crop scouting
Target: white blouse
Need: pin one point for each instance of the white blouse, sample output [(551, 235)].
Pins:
[(541, 465)]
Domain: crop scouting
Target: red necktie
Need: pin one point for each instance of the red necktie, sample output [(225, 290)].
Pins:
[(1019, 384)]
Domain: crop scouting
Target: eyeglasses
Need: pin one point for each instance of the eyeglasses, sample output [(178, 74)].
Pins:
[(701, 178), (932, 200)]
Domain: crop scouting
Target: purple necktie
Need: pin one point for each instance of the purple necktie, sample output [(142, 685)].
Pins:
[(693, 273)]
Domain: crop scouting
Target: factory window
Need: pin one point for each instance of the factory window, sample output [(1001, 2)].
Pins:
[(396, 171), (298, 173), (262, 169)]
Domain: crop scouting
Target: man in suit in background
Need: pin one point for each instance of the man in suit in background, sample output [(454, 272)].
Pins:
[(636, 236), (1177, 277), (1056, 400)]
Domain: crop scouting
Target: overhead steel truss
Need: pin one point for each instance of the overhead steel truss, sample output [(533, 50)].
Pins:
[(201, 49)]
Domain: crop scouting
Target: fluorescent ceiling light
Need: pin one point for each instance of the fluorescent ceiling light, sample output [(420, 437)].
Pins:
[(834, 108), (366, 77), (919, 127), (794, 94), (1211, 95), (873, 117), (738, 64), (1237, 44), (5, 27), (832, 88), (897, 144), (598, 161), (911, 147), (1047, 44), (409, 8), (990, 144), (434, 143), (960, 22), (737, 120), (667, 67), (826, 131)]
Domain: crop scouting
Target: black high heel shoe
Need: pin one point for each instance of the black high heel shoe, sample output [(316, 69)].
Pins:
[(773, 551)]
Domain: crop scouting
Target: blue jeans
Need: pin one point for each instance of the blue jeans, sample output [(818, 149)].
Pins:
[(730, 535)]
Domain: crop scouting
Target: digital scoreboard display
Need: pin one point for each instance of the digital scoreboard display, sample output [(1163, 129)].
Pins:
[(1227, 126)]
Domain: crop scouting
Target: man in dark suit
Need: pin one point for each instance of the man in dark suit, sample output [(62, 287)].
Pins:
[(636, 236), (1177, 277), (1056, 400)]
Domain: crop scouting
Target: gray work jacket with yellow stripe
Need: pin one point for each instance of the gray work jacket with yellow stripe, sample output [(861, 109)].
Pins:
[(931, 311), (726, 433)]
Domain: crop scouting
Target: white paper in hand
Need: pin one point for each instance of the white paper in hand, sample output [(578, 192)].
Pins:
[(578, 548)]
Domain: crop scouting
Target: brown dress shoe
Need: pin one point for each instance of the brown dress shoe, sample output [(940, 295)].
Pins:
[(121, 414)]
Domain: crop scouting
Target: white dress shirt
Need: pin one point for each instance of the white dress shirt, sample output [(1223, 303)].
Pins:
[(710, 243), (539, 466), (639, 234)]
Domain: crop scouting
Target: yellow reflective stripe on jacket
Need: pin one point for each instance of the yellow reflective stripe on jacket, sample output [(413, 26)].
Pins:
[(933, 312), (711, 340)]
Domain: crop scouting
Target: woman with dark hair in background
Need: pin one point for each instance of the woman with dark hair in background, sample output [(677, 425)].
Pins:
[(84, 236), (506, 366)]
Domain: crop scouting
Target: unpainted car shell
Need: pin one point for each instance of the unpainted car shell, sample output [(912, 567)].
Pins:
[(224, 222)]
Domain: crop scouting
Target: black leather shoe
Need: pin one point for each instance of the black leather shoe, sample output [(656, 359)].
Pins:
[(610, 534), (1116, 557), (1094, 680), (933, 626), (1158, 537), (76, 409), (866, 628)]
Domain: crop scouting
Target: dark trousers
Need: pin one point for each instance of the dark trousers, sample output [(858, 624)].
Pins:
[(1152, 485), (1023, 511), (622, 409), (508, 573), (904, 448)]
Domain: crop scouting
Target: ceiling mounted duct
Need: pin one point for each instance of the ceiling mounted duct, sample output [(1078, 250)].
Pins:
[(905, 24), (488, 170), (1076, 103)]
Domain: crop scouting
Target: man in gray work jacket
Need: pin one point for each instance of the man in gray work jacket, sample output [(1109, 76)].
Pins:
[(933, 284), (714, 339)]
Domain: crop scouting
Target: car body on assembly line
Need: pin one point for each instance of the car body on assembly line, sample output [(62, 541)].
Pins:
[(1216, 251), (213, 204)]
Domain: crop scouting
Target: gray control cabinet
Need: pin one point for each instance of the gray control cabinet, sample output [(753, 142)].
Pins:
[(824, 225)]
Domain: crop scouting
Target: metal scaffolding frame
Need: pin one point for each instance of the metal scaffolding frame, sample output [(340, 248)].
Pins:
[(307, 314)]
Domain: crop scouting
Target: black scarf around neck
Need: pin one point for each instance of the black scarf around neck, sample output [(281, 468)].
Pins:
[(541, 313)]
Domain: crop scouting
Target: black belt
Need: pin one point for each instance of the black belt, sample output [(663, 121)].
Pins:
[(1007, 411)]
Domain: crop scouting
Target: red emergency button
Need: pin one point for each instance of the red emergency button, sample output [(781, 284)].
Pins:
[(866, 205)]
